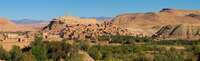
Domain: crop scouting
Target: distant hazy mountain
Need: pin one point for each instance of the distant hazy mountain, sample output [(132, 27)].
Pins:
[(101, 18), (29, 21), (7, 25), (36, 24)]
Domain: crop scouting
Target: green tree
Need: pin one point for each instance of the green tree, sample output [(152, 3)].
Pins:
[(16, 53), (58, 50), (38, 49), (27, 57)]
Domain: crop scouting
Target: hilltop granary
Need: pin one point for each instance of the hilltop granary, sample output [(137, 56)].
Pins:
[(181, 31)]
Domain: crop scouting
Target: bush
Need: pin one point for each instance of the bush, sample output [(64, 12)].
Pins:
[(58, 50), (95, 52), (16, 53), (122, 52), (124, 39), (83, 45), (4, 55), (141, 57), (169, 55), (28, 57), (175, 42)]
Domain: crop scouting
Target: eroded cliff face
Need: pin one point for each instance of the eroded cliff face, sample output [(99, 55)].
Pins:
[(149, 23), (180, 31), (54, 25)]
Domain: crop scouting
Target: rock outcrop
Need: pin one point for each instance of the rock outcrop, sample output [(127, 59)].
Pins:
[(197, 16), (181, 31), (54, 25), (180, 12)]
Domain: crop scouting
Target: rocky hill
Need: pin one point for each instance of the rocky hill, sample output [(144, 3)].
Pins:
[(80, 31), (151, 22)]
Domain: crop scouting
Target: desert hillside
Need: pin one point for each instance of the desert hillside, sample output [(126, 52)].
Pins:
[(8, 26), (5, 24), (150, 22)]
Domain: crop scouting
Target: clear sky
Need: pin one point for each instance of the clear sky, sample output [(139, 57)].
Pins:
[(47, 9)]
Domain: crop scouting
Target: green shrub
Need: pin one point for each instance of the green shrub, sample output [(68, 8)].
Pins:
[(169, 55), (16, 53), (175, 42), (38, 49), (4, 55), (140, 57), (122, 52), (124, 39), (27, 56), (83, 45)]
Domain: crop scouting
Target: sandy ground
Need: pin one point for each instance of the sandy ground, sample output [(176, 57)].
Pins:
[(8, 45)]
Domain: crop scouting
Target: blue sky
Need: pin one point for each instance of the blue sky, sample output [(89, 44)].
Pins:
[(47, 9)]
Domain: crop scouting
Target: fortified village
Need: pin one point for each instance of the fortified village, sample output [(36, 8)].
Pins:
[(140, 24)]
